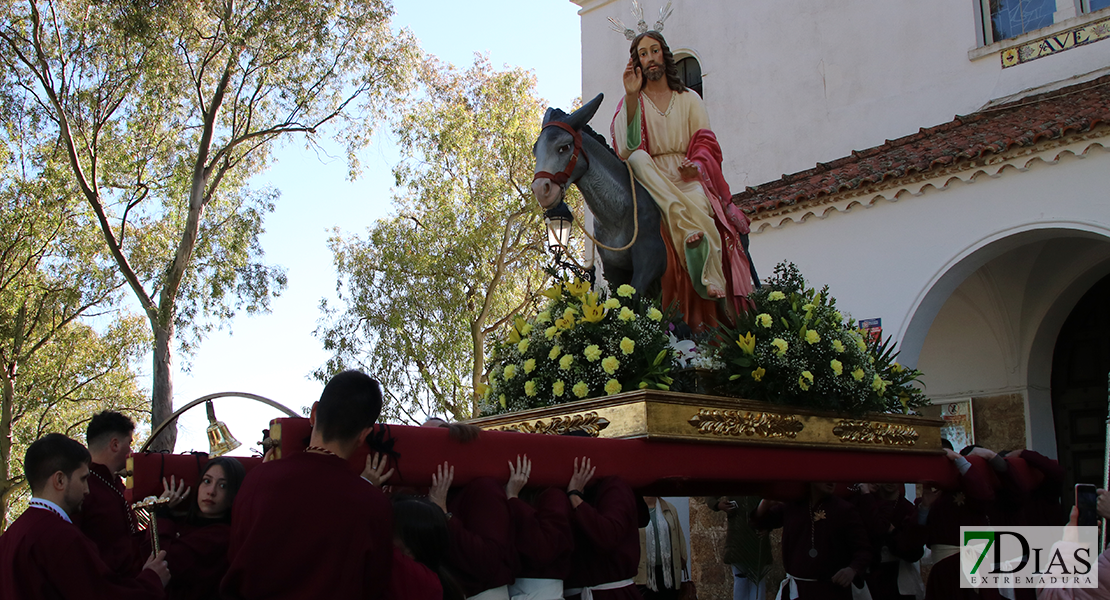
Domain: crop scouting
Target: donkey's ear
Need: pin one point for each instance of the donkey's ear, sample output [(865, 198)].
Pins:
[(547, 116), (580, 117)]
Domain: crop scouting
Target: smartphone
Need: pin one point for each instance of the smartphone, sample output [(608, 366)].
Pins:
[(1087, 501)]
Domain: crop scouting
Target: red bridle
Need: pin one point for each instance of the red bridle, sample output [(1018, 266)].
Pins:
[(563, 176)]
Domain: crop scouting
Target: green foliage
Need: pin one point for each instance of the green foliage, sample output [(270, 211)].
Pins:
[(461, 255), (582, 345), (795, 348)]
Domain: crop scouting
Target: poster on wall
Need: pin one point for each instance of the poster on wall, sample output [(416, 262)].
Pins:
[(959, 426), (872, 328)]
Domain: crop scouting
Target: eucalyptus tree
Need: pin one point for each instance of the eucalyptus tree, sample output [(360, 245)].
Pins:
[(462, 254), (163, 111)]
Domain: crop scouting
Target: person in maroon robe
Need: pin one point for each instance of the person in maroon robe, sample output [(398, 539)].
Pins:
[(543, 536), (897, 540), (421, 546), (106, 516), (606, 521), (43, 555), (943, 512), (824, 543), (1043, 507), (196, 539), (306, 526), (482, 556)]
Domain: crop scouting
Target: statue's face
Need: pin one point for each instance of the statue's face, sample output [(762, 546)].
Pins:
[(651, 58)]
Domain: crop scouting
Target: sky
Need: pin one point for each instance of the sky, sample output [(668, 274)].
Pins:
[(273, 354)]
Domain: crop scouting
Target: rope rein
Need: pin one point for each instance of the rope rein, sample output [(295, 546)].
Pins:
[(635, 219)]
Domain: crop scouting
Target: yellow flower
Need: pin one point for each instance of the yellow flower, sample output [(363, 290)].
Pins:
[(862, 345), (482, 390), (530, 387), (529, 365), (812, 337), (569, 313), (836, 316), (837, 366), (592, 313), (557, 388), (807, 307), (522, 347), (764, 320), (857, 374), (776, 296), (514, 336), (627, 314), (543, 317), (612, 387), (897, 368), (805, 380), (592, 353), (556, 350), (626, 291), (565, 323), (554, 292), (655, 314), (612, 303), (877, 383), (580, 389), (838, 345), (747, 343), (780, 346), (759, 373), (566, 361), (501, 399), (610, 364), (510, 372), (578, 288), (628, 346), (550, 332)]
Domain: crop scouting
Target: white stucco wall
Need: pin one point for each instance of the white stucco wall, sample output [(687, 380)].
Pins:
[(789, 83)]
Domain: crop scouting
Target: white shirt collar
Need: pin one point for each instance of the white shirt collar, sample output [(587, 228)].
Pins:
[(44, 504)]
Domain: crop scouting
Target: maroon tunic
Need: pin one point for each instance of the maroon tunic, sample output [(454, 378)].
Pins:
[(606, 540), (1044, 507), (543, 536), (43, 557), (307, 527), (895, 533), (834, 528), (107, 519), (482, 555), (197, 558), (411, 580)]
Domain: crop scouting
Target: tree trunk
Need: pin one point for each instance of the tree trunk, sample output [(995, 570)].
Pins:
[(479, 338), (8, 400), (161, 392)]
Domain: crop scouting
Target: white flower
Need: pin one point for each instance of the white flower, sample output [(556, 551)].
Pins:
[(684, 350)]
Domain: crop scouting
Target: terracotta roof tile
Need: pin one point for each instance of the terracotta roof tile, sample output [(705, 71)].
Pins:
[(1047, 116)]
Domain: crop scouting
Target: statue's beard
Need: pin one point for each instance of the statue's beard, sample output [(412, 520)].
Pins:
[(655, 73)]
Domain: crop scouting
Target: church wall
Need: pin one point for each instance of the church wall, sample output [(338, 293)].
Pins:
[(789, 83)]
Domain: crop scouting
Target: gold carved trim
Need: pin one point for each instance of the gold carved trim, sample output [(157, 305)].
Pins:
[(736, 423), (869, 432), (587, 422)]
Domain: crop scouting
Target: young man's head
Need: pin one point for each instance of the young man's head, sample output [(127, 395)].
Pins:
[(109, 436), (650, 51), (57, 469), (347, 409)]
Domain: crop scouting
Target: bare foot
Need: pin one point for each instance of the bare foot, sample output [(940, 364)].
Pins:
[(714, 291), (694, 239)]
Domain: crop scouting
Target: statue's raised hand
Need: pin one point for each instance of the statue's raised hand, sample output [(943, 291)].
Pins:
[(633, 78)]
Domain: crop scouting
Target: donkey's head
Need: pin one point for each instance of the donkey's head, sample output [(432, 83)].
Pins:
[(560, 160)]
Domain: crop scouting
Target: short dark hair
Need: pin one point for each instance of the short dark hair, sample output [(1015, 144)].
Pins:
[(49, 454), (967, 449), (670, 67), (105, 424), (947, 445), (350, 402)]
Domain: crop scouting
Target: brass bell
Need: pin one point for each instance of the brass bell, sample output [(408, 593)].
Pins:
[(220, 440)]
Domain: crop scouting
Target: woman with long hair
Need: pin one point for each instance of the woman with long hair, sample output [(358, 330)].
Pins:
[(421, 543)]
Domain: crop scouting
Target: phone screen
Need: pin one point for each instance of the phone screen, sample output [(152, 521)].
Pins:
[(1087, 501)]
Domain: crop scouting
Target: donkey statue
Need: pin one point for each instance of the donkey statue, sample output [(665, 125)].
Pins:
[(569, 151)]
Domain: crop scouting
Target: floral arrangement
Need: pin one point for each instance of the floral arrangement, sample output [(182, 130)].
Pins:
[(582, 345), (796, 348)]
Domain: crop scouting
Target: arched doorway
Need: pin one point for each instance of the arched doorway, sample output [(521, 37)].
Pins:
[(1080, 367)]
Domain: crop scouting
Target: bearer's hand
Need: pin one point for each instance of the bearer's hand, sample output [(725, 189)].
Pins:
[(582, 475), (372, 472), (844, 577), (159, 566), (633, 79), (441, 483), (688, 170), (518, 476), (174, 490)]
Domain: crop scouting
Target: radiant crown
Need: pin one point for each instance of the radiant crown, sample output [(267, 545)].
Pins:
[(638, 12)]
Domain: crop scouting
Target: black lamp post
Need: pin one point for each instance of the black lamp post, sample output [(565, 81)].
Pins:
[(558, 220)]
